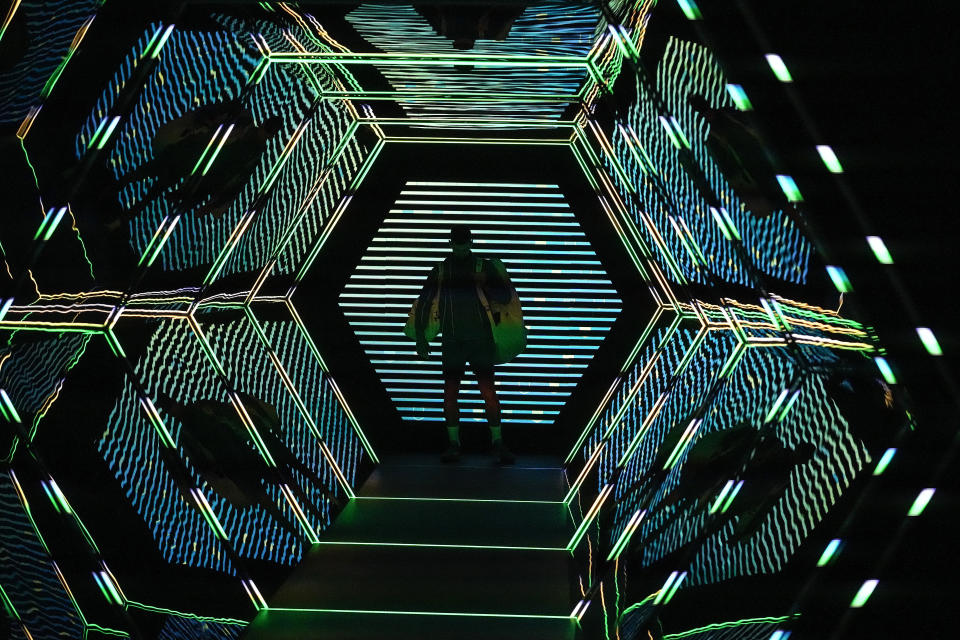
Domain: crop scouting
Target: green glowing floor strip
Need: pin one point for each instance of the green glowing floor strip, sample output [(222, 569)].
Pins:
[(424, 545), (428, 613), (458, 499)]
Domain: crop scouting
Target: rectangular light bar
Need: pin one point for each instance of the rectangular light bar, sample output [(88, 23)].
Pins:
[(864, 593), (829, 553), (789, 187), (739, 97), (880, 250), (839, 278), (885, 370), (929, 341), (921, 502), (884, 461), (779, 67), (690, 9), (829, 158)]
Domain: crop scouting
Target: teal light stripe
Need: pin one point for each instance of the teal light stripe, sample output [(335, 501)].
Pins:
[(483, 184), (406, 192), (434, 613), (483, 203)]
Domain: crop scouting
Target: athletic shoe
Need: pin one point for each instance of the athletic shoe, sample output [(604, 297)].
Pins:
[(502, 454), (452, 454)]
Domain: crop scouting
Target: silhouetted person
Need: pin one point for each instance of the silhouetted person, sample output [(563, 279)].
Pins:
[(465, 24), (456, 285), (738, 152), (221, 450), (178, 146)]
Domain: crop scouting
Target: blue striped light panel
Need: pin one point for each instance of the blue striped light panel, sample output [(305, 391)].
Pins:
[(568, 301)]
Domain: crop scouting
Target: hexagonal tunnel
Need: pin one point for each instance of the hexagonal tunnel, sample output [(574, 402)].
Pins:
[(215, 427)]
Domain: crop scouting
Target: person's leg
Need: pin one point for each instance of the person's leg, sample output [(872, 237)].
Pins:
[(453, 368), (488, 391)]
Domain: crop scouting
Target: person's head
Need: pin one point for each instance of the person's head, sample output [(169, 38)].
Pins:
[(460, 239)]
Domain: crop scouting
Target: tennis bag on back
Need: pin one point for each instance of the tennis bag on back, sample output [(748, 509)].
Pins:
[(506, 319)]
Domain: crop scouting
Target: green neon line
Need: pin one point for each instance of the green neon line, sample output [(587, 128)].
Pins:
[(733, 494), (206, 150), (427, 613), (839, 278), (884, 461), (420, 59), (52, 81), (739, 97), (642, 340), (103, 589), (864, 593), (301, 406), (112, 589), (53, 500), (366, 166), (690, 9), (778, 67), (923, 498), (723, 494), (880, 250), (829, 158), (8, 605), (259, 71), (434, 95), (885, 370), (162, 41), (96, 132), (459, 500), (624, 538), (673, 589), (106, 631), (417, 545), (666, 587), (234, 241), (340, 398), (829, 552), (592, 514), (180, 614), (725, 625), (929, 341), (58, 494), (106, 134), (12, 410), (527, 142), (789, 188)]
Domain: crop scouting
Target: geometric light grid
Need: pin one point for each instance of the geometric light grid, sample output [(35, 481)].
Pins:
[(486, 97), (568, 302), (698, 368)]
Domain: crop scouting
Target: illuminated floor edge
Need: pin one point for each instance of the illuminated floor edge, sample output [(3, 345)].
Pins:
[(361, 581)]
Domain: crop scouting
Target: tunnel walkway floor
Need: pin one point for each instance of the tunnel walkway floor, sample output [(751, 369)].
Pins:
[(427, 550)]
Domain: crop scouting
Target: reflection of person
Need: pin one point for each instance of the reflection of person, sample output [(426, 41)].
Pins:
[(738, 152), (222, 452), (179, 144), (467, 24), (466, 336)]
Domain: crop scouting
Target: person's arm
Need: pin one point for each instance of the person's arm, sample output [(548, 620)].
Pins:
[(427, 293)]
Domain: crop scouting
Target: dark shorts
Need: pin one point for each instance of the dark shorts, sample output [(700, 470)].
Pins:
[(457, 353)]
